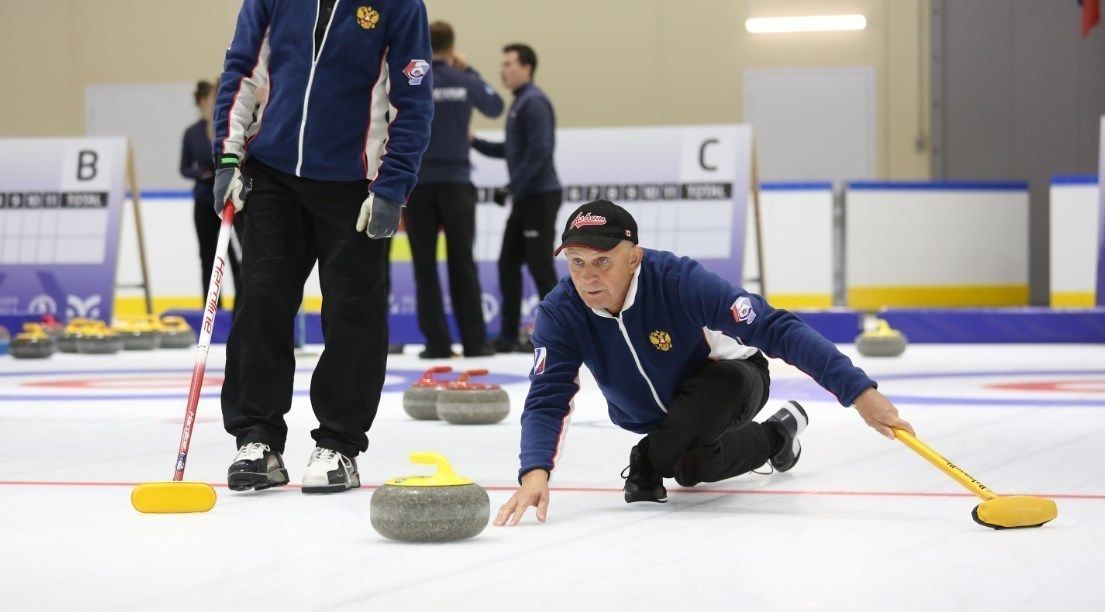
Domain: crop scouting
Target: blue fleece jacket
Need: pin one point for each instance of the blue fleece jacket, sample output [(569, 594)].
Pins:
[(529, 145), (677, 316), (456, 93), (326, 112)]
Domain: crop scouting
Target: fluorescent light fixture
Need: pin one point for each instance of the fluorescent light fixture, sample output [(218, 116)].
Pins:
[(818, 23)]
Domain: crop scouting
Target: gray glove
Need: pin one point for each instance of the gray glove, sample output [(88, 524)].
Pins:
[(379, 218), (230, 186)]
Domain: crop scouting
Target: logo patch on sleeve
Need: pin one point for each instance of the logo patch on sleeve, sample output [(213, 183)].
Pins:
[(416, 70), (742, 310), (539, 354)]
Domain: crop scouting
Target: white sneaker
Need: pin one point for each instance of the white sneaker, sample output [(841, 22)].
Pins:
[(330, 472)]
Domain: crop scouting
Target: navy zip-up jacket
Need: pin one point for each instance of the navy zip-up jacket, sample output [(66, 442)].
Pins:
[(456, 92), (195, 161), (677, 316), (530, 142), (326, 114)]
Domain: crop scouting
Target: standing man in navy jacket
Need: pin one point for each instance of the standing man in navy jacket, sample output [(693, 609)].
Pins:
[(329, 167), (531, 227), (445, 198), (676, 351)]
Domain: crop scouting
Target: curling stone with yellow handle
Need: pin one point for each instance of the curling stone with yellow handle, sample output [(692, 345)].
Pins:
[(176, 333), (440, 508), (67, 340), (883, 341), (139, 333), (97, 338), (32, 343)]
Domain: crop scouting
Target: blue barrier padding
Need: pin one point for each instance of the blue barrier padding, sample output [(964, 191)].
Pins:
[(998, 325), (1074, 179), (163, 194), (938, 185), (796, 186), (839, 326), (404, 327)]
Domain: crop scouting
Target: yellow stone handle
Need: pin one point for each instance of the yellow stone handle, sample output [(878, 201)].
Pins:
[(444, 468)]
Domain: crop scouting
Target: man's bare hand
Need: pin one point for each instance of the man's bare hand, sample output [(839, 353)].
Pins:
[(880, 414), (533, 492)]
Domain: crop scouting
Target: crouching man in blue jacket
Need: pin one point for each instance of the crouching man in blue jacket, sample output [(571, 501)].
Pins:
[(676, 351)]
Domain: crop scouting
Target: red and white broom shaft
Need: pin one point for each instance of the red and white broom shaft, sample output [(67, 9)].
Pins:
[(211, 306)]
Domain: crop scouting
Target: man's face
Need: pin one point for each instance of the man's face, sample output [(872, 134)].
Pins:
[(513, 73), (602, 278)]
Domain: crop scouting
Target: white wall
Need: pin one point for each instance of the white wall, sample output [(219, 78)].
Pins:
[(1074, 221), (933, 244)]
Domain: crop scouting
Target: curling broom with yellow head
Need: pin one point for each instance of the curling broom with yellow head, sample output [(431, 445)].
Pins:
[(177, 495), (997, 512)]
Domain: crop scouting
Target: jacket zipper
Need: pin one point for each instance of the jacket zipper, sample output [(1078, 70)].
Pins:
[(640, 368), (311, 77)]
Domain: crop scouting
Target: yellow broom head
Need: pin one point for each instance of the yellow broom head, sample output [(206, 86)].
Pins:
[(1015, 511), (173, 497)]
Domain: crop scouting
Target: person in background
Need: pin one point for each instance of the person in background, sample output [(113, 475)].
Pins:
[(446, 199), (531, 226), (196, 164)]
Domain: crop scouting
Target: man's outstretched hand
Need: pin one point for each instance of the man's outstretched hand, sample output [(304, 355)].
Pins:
[(533, 492), (880, 414)]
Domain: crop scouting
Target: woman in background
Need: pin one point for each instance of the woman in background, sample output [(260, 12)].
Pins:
[(197, 164)]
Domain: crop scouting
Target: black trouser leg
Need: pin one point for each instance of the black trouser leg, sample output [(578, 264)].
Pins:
[(423, 218), (345, 388), (260, 363), (511, 257), (708, 434), (539, 229), (458, 215), (207, 234)]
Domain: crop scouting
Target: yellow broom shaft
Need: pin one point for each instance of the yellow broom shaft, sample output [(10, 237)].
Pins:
[(944, 465)]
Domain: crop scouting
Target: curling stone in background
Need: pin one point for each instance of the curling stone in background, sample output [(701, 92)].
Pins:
[(99, 339), (51, 326), (5, 340), (176, 333), (463, 402), (439, 508), (883, 341), (420, 399), (32, 343), (139, 333), (67, 341)]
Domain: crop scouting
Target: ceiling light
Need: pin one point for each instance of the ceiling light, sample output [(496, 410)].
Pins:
[(817, 23)]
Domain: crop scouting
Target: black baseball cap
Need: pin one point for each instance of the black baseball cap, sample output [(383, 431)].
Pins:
[(598, 225)]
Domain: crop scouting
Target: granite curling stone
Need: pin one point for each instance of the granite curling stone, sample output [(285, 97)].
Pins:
[(5, 340), (420, 399), (139, 334), (32, 343), (883, 341), (51, 326), (98, 339), (462, 402), (67, 341), (176, 333), (441, 508)]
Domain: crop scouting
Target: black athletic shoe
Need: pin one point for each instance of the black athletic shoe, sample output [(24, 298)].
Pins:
[(256, 467), (789, 421), (436, 354), (485, 350), (642, 483)]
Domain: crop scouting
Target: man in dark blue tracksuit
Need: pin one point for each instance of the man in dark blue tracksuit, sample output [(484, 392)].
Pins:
[(328, 157), (675, 350), (531, 227), (446, 199)]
